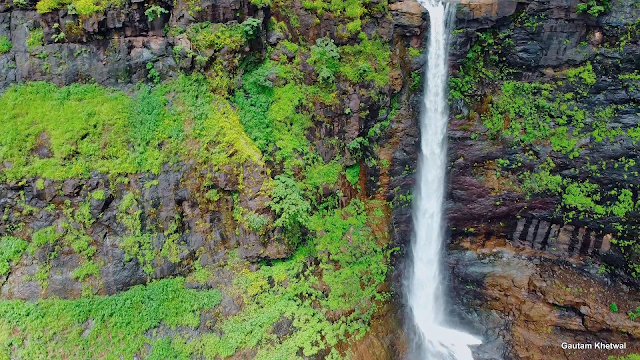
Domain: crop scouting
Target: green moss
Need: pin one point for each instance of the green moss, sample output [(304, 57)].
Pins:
[(90, 128), (80, 7), (290, 206), (271, 115), (5, 45), (98, 195), (46, 235), (11, 250), (594, 7), (36, 38), (87, 269), (353, 174), (113, 327), (319, 174), (628, 357), (368, 60), (325, 56), (584, 73), (351, 264)]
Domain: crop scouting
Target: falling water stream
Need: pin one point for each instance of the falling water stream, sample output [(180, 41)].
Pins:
[(434, 340)]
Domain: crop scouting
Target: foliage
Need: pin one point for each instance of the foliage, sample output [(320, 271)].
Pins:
[(613, 307), (354, 261), (473, 70), (11, 250), (353, 174), (112, 327), (5, 45), (80, 7), (366, 61), (326, 58), (342, 269), (290, 206), (207, 36), (154, 11), (90, 128), (271, 116), (319, 174), (628, 357), (594, 7), (36, 38), (251, 28)]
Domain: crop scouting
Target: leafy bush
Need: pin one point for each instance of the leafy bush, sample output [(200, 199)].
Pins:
[(353, 174), (90, 128), (5, 45), (368, 60), (272, 116), (36, 38), (119, 323), (326, 59), (79, 7), (154, 11), (594, 7), (290, 206), (11, 250), (251, 28), (206, 35)]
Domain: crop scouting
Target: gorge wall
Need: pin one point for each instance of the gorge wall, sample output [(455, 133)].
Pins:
[(293, 166)]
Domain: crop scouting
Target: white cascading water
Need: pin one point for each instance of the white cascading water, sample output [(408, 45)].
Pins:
[(433, 339)]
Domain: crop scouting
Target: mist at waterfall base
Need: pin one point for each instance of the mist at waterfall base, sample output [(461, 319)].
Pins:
[(433, 340)]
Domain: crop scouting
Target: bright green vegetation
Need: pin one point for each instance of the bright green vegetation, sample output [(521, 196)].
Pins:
[(36, 38), (154, 11), (475, 69), (206, 35), (353, 174), (553, 114), (594, 7), (329, 287), (349, 265), (366, 61), (352, 11), (111, 327), (628, 357), (290, 206), (88, 128), (276, 117), (5, 45), (633, 315), (80, 7), (11, 250)]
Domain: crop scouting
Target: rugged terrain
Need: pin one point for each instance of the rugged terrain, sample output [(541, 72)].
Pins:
[(242, 187)]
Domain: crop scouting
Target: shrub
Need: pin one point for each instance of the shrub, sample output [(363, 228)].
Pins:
[(36, 38), (594, 7), (119, 323), (326, 59), (353, 174), (5, 45), (154, 11), (290, 206), (11, 250)]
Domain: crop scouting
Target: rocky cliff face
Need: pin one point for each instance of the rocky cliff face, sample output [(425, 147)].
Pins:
[(543, 177), (545, 105)]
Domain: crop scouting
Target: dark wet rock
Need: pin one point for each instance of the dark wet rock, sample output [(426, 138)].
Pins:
[(283, 328)]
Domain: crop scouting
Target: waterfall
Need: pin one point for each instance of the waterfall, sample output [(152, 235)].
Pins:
[(433, 339)]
